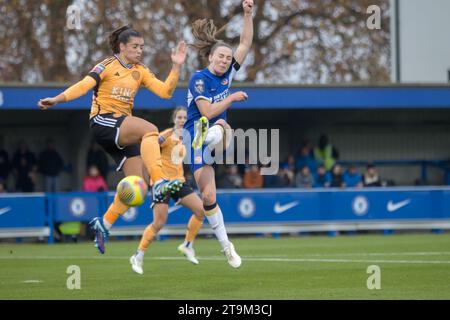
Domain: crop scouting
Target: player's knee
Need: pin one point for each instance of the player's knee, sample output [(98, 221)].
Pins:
[(199, 214), (209, 197), (222, 123), (158, 224), (149, 128)]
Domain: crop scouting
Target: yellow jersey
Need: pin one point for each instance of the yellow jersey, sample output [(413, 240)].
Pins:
[(172, 155), (116, 83)]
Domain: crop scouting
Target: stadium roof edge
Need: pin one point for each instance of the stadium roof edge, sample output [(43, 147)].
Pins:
[(254, 85), (380, 96)]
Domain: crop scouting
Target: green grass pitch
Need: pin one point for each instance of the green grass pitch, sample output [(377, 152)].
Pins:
[(307, 267)]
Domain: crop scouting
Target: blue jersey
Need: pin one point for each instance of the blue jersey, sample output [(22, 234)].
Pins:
[(206, 85)]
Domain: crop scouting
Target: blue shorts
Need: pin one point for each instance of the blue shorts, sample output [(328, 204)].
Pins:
[(197, 158)]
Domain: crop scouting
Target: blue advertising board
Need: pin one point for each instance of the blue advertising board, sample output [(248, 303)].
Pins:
[(23, 211), (243, 207), (77, 206)]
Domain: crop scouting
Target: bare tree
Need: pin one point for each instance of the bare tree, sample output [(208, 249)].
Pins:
[(296, 41)]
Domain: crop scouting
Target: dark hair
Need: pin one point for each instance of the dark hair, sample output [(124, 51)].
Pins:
[(175, 111), (205, 41), (121, 35)]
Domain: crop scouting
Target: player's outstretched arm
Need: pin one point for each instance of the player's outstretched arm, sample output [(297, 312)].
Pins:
[(246, 39), (77, 90), (211, 110), (165, 89)]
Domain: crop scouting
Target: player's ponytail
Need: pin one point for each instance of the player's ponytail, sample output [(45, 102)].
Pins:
[(121, 35), (205, 41)]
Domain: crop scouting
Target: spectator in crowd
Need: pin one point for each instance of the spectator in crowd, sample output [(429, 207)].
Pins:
[(371, 176), (325, 153), (274, 180), (3, 186), (285, 178), (322, 178), (306, 158), (5, 165), (287, 172), (94, 182), (50, 165), (353, 178), (253, 178), (97, 157), (337, 177), (304, 178), (232, 178), (24, 163), (289, 164)]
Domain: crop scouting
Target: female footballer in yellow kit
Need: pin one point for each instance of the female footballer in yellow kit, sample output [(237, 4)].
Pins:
[(131, 141), (172, 154)]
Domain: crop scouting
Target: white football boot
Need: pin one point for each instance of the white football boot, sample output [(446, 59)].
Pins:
[(137, 264), (233, 258), (189, 253)]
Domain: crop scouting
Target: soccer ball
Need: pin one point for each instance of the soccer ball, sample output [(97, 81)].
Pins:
[(132, 191)]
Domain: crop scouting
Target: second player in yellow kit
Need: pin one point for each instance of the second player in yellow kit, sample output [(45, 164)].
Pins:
[(172, 154)]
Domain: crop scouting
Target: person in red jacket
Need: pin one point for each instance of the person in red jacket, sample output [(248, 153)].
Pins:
[(94, 182)]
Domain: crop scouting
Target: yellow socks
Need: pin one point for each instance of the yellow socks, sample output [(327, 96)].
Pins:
[(114, 211), (194, 226), (151, 155), (147, 237)]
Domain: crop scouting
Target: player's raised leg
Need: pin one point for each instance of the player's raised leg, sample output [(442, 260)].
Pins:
[(137, 130), (101, 226)]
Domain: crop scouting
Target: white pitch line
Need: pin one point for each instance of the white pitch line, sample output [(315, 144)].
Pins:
[(32, 281), (378, 254), (262, 259)]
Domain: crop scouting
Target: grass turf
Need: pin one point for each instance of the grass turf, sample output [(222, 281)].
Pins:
[(311, 267)]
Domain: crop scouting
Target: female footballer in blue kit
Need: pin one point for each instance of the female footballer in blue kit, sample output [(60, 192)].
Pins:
[(208, 101)]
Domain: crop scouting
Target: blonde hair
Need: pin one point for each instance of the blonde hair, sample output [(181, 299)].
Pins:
[(205, 41)]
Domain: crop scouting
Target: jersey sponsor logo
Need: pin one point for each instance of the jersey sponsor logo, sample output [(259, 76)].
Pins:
[(199, 86), (221, 96), (123, 94), (98, 68), (391, 206), (278, 208)]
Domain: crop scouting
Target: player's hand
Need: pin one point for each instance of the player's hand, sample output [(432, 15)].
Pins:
[(247, 5), (239, 96), (179, 54), (46, 103)]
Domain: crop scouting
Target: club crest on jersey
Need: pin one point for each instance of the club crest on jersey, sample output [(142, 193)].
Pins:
[(224, 82), (199, 86), (136, 75), (98, 68)]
